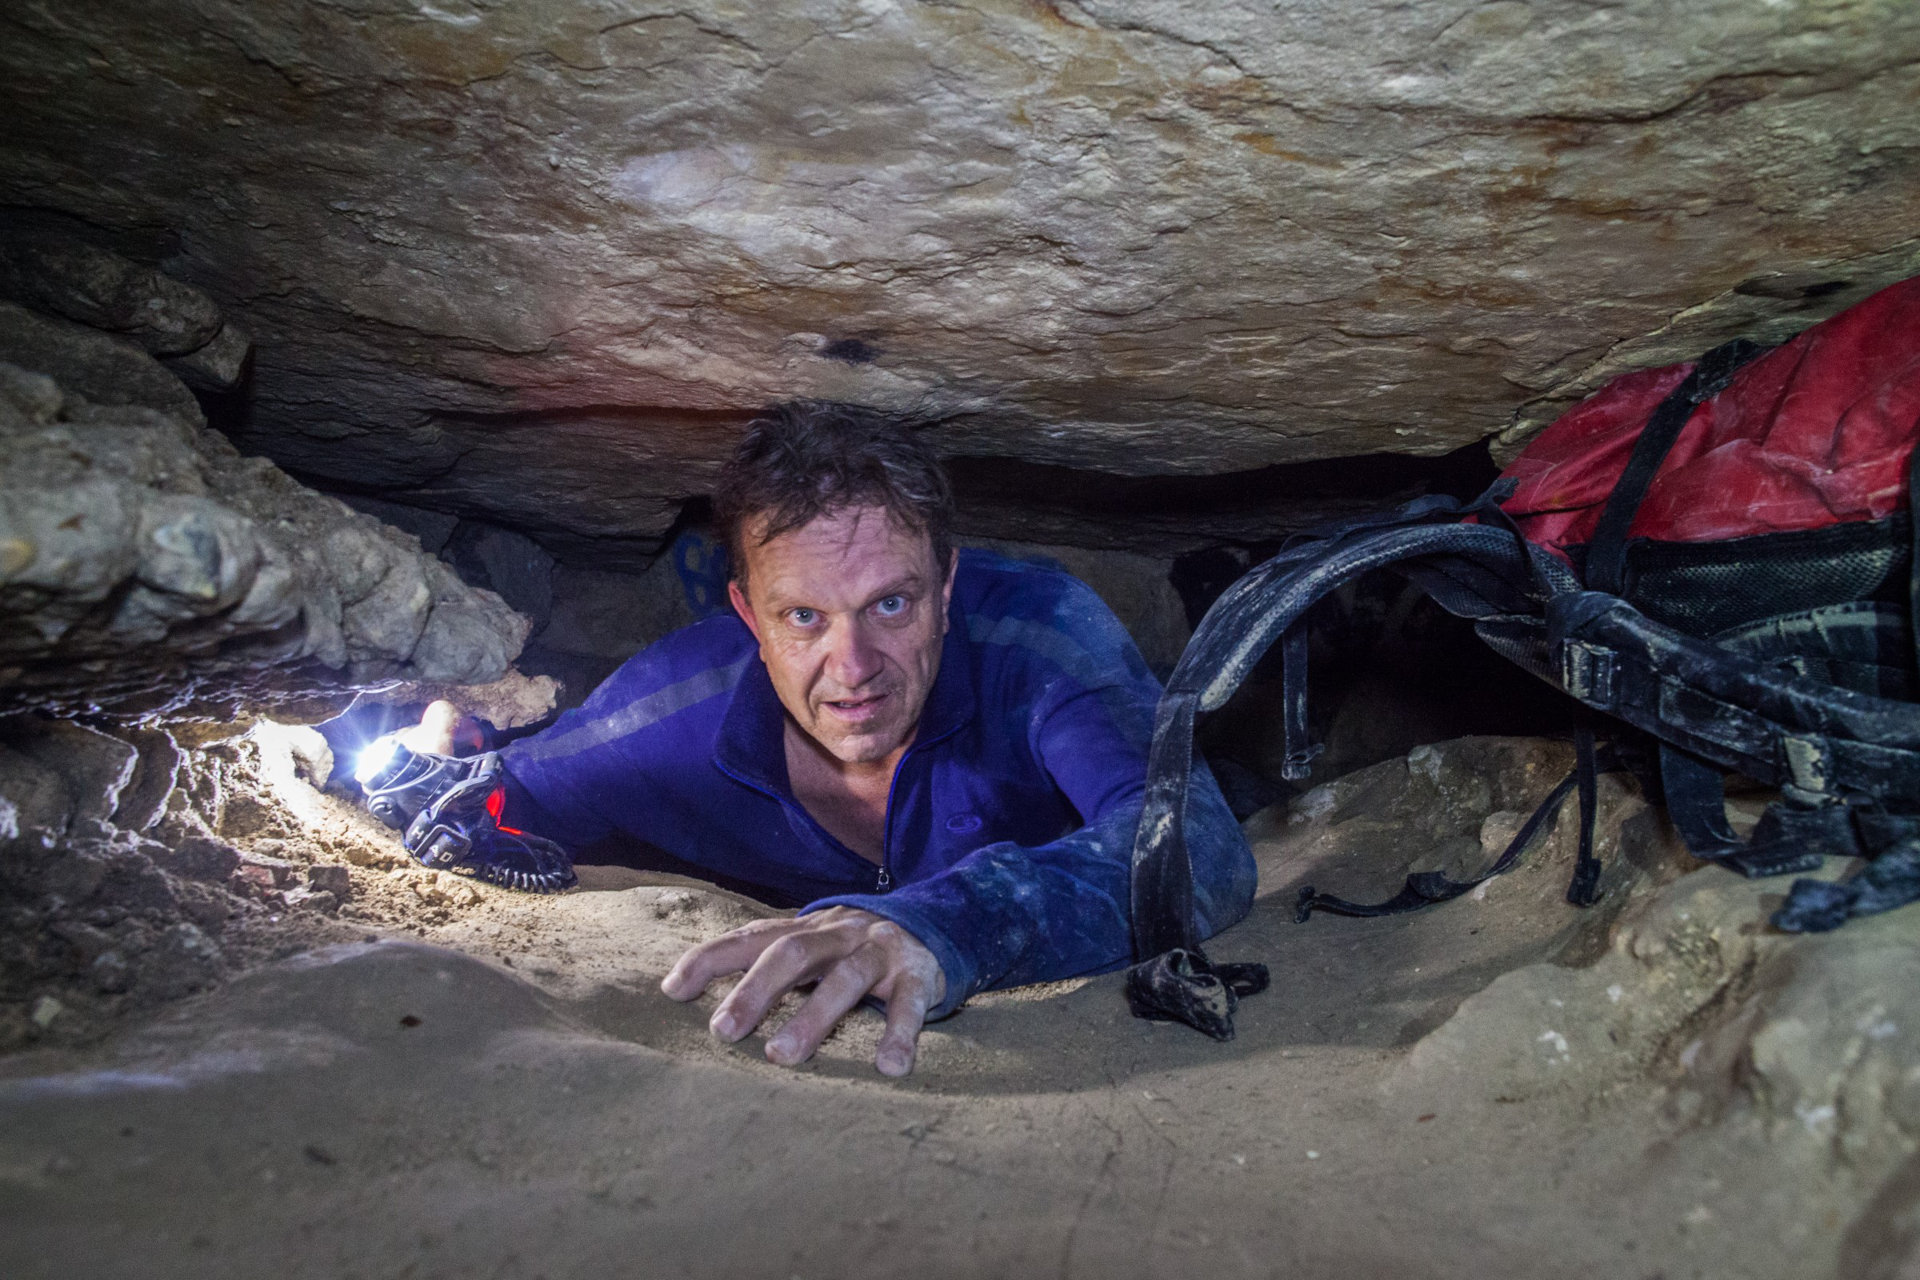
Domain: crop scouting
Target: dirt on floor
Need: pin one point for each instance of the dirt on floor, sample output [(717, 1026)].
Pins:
[(437, 1078)]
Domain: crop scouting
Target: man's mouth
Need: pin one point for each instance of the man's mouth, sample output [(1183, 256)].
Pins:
[(864, 707)]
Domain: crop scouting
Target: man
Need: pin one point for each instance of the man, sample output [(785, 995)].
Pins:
[(941, 754)]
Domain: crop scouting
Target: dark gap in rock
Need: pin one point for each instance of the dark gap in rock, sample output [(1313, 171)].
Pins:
[(1177, 515), (1389, 670), (228, 410), (851, 351), (151, 244)]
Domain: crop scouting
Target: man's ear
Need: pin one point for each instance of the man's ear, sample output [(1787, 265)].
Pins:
[(946, 592), (738, 598)]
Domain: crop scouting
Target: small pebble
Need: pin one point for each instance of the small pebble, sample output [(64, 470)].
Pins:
[(45, 1010)]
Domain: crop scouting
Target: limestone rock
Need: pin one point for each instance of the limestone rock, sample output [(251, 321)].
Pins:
[(102, 368), (1810, 1038), (218, 366), (135, 545), (538, 262), (511, 702), (103, 290)]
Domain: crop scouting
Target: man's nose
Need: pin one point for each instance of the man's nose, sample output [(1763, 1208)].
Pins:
[(853, 658)]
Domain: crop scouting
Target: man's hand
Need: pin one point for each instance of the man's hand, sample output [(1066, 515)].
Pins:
[(851, 954), (443, 731)]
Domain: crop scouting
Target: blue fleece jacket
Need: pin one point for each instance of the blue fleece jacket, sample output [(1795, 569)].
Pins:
[(1009, 829)]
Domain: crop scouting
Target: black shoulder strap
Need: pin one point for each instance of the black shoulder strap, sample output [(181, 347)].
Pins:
[(1607, 551), (1173, 978)]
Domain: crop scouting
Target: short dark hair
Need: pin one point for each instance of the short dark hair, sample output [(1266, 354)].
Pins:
[(808, 458)]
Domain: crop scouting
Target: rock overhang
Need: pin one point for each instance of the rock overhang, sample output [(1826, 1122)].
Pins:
[(537, 263)]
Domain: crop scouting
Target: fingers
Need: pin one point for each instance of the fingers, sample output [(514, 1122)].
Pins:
[(729, 953), (442, 727), (852, 953), (906, 1015), (787, 961), (844, 986)]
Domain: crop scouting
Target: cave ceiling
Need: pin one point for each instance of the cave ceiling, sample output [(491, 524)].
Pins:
[(536, 262)]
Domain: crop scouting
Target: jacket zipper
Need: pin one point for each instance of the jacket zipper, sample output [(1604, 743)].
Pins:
[(883, 882), (883, 879)]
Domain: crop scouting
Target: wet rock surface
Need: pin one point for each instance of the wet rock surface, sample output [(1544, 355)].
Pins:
[(538, 264)]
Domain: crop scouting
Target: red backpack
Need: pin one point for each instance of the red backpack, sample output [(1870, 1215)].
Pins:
[(1718, 558)]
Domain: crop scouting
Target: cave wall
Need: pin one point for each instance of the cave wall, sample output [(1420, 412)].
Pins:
[(532, 263)]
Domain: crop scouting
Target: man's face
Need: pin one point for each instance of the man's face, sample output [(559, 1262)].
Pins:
[(850, 611)]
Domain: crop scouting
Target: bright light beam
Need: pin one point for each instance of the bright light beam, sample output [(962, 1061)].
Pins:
[(374, 757)]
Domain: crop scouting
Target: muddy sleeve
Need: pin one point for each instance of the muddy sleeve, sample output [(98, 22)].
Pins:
[(1007, 915)]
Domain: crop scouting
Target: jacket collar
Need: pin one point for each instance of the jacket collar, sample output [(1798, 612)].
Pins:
[(752, 741)]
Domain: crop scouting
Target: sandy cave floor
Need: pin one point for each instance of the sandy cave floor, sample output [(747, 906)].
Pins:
[(503, 1091)]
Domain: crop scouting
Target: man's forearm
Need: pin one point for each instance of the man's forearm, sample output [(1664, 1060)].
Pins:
[(1005, 915)]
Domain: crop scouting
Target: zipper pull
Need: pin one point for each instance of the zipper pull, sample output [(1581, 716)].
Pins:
[(884, 883)]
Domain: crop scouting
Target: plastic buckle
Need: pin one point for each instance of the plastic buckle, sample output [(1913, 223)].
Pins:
[(1587, 672)]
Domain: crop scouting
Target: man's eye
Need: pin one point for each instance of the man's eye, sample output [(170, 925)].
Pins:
[(890, 606), (803, 617)]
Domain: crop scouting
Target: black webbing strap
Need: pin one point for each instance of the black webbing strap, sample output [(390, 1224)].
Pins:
[(1162, 889), (1182, 985), (1696, 803), (1607, 550), (1299, 749), (1584, 889), (1424, 888), (1891, 880)]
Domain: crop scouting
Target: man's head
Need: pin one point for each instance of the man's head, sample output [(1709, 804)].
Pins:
[(838, 523)]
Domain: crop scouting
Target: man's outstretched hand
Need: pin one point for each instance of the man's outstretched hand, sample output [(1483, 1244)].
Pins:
[(851, 954)]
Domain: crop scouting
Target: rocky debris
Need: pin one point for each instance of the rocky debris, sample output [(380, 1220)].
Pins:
[(330, 878), (544, 263), (1809, 1035), (1673, 992), (103, 369), (103, 290), (61, 274), (511, 702), (140, 548), (433, 528), (1672, 999), (109, 904), (1452, 807)]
